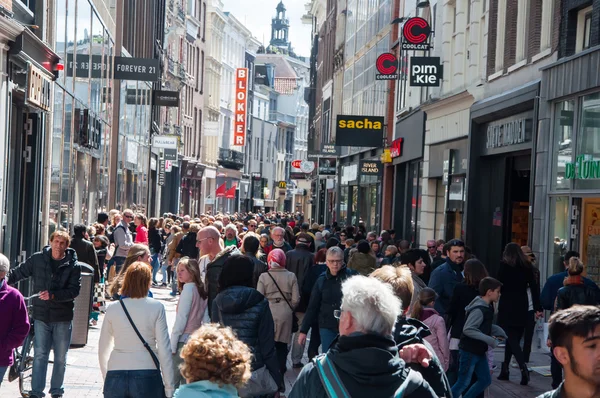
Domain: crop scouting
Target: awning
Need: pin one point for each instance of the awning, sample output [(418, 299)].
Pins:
[(270, 203)]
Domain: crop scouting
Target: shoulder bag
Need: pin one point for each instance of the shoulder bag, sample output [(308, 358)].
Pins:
[(294, 317), (146, 346)]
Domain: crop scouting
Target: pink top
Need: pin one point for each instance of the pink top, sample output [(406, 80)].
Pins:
[(141, 235), (438, 338)]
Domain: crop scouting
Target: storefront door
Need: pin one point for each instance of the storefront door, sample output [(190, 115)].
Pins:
[(589, 245)]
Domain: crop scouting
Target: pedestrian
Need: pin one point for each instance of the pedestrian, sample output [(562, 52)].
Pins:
[(215, 364), (442, 254), (191, 310), (531, 318), (390, 255), (278, 240), (479, 332), (363, 262), (231, 236), (365, 360), (121, 237), (250, 248), (516, 275), (575, 291), (172, 255), (349, 246), (445, 277), (280, 288), (247, 312), (325, 298), (101, 244), (574, 334), (168, 236), (414, 260), (138, 252), (141, 229), (155, 244), (187, 246), (133, 328), (56, 275), (423, 310), (86, 253), (15, 320), (464, 293), (264, 247)]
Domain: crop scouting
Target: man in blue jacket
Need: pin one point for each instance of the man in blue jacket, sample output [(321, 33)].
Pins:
[(445, 277), (548, 297)]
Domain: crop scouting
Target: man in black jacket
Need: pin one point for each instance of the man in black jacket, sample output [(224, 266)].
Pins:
[(299, 262), (56, 276), (364, 361), (251, 245), (85, 250), (187, 244)]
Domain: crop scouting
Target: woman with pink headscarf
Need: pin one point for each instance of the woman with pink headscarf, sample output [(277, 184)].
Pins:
[(280, 287)]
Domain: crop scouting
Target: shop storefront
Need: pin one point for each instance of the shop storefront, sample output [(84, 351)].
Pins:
[(407, 168), (499, 173), (571, 188), (191, 185)]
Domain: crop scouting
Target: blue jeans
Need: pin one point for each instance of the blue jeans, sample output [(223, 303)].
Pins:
[(155, 266), (163, 270), (133, 384), (55, 336), (327, 337), (2, 372), (469, 364), (174, 278)]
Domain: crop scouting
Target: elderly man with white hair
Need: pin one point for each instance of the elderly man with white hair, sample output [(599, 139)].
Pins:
[(364, 361), (15, 321), (231, 236), (278, 238)]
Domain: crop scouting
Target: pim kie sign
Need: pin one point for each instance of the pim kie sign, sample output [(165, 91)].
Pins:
[(396, 148), (241, 106)]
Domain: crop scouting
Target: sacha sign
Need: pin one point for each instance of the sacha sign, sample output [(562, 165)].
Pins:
[(359, 131)]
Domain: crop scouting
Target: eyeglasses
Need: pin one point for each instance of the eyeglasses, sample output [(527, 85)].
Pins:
[(335, 261), (337, 314), (127, 216), (251, 226), (431, 247)]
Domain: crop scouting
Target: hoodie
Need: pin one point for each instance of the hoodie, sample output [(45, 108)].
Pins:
[(205, 389), (479, 328)]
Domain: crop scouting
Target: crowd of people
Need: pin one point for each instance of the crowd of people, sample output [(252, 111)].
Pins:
[(388, 319)]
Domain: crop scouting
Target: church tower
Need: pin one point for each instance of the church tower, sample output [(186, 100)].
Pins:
[(280, 26)]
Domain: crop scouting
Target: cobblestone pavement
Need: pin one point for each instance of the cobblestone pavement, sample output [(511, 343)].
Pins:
[(84, 380)]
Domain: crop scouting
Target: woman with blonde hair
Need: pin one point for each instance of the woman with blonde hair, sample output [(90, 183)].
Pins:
[(137, 252), (575, 291), (191, 309), (215, 363), (134, 341)]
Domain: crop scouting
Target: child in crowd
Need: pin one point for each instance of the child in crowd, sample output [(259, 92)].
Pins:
[(479, 332), (423, 310)]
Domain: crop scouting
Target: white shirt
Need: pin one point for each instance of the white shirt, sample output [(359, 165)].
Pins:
[(183, 314), (120, 348), (203, 263)]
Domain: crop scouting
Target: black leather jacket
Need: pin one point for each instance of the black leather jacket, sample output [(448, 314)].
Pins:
[(582, 294), (247, 312), (213, 271)]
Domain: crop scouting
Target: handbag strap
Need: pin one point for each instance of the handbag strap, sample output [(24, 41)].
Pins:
[(278, 288), (152, 354), (329, 378)]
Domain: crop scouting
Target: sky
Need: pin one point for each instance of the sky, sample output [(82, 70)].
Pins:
[(256, 16)]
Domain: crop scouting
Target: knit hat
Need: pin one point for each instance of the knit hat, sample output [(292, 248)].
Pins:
[(363, 247), (276, 259)]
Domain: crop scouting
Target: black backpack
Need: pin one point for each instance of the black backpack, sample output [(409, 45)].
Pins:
[(111, 237)]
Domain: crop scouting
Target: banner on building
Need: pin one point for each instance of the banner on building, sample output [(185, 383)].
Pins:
[(230, 194), (241, 106), (125, 68), (221, 191), (359, 131)]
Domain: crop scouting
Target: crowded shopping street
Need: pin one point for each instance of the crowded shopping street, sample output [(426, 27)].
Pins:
[(299, 198)]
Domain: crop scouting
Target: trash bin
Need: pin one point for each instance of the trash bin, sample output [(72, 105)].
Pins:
[(83, 305)]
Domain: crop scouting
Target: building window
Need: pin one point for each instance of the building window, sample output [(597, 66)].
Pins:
[(584, 19), (588, 142), (521, 29), (563, 143), (546, 33), (500, 35)]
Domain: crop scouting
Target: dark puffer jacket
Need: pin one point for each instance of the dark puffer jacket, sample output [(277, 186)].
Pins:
[(260, 267), (86, 253), (187, 246), (299, 261), (579, 293), (325, 298), (213, 271), (63, 284), (247, 312)]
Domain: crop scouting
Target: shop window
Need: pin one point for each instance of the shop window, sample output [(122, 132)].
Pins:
[(455, 208), (587, 175), (559, 233), (590, 238), (563, 143), (415, 181)]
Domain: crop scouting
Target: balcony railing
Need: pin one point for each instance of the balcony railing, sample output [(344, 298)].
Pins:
[(231, 159), (275, 116)]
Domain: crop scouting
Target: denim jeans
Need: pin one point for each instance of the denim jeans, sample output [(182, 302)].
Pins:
[(2, 372), (163, 270), (469, 364), (327, 337), (174, 279), (297, 349), (55, 336), (133, 384), (155, 266)]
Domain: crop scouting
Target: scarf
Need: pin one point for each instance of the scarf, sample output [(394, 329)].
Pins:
[(573, 280)]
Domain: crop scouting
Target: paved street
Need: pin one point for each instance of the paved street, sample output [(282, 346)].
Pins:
[(83, 378)]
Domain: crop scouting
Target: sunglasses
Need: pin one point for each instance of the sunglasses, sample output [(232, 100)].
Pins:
[(126, 216), (431, 247), (251, 226)]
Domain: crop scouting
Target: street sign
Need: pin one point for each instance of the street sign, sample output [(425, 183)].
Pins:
[(426, 71), (416, 32), (165, 141), (296, 163)]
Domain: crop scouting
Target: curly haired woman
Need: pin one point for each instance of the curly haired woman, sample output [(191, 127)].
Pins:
[(215, 363)]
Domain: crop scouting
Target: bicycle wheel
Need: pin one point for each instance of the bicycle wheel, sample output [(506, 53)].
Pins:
[(25, 367)]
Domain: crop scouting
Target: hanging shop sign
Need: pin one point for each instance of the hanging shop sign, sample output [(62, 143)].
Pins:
[(296, 163), (330, 150), (282, 184), (386, 156), (168, 166), (307, 166), (426, 71), (359, 131), (38, 88), (371, 167), (416, 32), (165, 98), (396, 148), (585, 167), (387, 67), (125, 68), (170, 154), (165, 141), (241, 103), (327, 166), (161, 171)]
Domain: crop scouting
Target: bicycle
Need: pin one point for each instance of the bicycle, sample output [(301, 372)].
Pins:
[(22, 367)]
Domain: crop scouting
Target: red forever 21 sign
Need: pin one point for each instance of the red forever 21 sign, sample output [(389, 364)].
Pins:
[(396, 148)]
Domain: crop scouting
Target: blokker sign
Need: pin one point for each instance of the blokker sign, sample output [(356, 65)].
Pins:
[(426, 71), (241, 106)]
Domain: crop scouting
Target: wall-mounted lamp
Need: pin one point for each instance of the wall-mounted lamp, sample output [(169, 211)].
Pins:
[(399, 20), (423, 4)]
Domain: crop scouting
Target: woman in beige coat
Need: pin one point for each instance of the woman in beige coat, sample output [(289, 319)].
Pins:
[(280, 287)]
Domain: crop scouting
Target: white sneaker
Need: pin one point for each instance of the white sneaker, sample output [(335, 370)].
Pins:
[(513, 363)]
